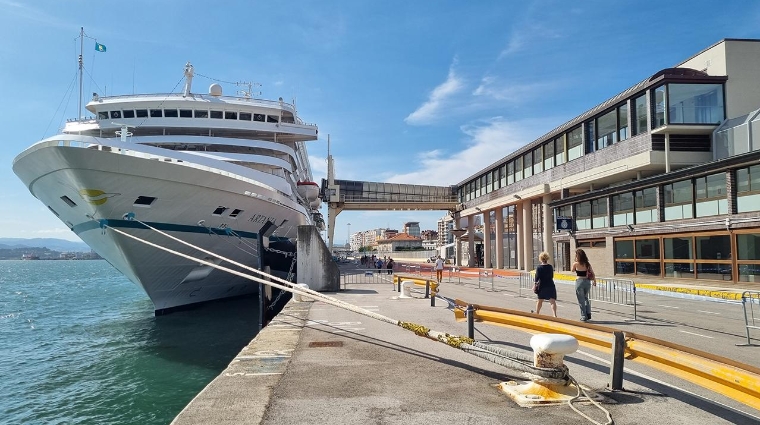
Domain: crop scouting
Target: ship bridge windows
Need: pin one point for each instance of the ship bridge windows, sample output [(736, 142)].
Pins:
[(171, 113), (68, 201), (128, 113), (273, 118), (144, 201), (230, 115), (115, 114), (259, 117), (217, 115), (156, 113), (220, 210), (141, 113), (185, 113), (103, 115), (200, 113), (245, 116)]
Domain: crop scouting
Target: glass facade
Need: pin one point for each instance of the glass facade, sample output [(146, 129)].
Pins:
[(748, 189), (622, 209), (679, 198), (695, 103), (640, 119), (574, 144), (711, 195)]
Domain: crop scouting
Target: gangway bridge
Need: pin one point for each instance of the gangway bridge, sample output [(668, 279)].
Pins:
[(375, 196)]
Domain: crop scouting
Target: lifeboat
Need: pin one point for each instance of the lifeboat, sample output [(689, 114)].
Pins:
[(308, 190)]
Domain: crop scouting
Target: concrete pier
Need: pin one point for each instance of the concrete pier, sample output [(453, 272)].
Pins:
[(315, 363)]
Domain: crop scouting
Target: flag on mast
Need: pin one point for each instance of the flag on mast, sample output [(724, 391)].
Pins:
[(100, 47)]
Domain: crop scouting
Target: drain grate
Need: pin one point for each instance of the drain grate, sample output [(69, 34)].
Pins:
[(318, 344)]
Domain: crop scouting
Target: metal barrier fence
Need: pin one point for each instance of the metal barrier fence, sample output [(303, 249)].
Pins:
[(614, 291), (750, 303), (526, 282), (366, 276), (485, 276)]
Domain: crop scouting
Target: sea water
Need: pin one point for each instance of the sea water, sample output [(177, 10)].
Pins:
[(79, 343)]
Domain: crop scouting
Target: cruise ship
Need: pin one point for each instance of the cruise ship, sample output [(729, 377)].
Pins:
[(212, 170)]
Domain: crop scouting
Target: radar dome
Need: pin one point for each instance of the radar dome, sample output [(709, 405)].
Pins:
[(215, 90)]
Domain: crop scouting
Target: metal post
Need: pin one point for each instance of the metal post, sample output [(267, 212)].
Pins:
[(433, 293), (427, 289), (618, 358), (470, 321), (634, 301)]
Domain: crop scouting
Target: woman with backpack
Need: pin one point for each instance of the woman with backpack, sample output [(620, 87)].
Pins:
[(585, 278)]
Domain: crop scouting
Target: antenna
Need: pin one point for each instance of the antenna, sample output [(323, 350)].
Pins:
[(248, 94)]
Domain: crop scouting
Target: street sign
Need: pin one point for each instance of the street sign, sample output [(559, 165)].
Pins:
[(564, 223)]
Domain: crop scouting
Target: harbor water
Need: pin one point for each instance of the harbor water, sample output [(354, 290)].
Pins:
[(79, 344)]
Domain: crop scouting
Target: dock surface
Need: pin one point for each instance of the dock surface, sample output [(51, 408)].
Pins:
[(316, 364)]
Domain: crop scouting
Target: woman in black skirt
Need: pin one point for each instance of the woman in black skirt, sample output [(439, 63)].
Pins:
[(545, 280)]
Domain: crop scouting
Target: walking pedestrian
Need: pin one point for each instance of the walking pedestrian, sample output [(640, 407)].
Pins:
[(390, 265), (439, 269), (545, 281), (584, 279)]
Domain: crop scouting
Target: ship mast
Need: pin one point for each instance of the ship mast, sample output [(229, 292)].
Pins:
[(81, 65)]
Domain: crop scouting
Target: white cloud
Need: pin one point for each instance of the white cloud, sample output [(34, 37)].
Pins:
[(492, 87), (431, 109), (488, 141), (515, 44)]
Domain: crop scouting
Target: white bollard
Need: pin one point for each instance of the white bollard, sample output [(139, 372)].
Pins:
[(298, 297), (550, 349), (406, 289)]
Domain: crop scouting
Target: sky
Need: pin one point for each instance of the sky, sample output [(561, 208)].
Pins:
[(421, 92)]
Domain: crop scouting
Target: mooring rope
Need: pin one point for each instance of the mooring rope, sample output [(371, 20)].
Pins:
[(463, 343)]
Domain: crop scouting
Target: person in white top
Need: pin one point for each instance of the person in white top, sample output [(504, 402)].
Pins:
[(439, 269)]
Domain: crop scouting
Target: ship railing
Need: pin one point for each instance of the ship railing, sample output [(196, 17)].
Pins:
[(181, 96), (162, 158)]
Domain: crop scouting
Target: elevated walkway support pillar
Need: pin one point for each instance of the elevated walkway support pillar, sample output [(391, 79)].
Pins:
[(548, 229), (487, 239), (499, 224), (471, 241), (527, 218)]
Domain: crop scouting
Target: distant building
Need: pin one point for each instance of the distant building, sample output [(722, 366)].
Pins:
[(399, 242), (412, 228)]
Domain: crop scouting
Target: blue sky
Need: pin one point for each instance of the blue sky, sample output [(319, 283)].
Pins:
[(409, 91)]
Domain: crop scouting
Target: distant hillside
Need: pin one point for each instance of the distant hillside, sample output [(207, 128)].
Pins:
[(52, 244)]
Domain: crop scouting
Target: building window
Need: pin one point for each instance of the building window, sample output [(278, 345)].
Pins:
[(624, 257), (622, 209), (677, 254), (559, 151), (640, 118), (489, 182), (748, 256), (518, 169), (548, 155), (623, 122), (748, 189), (679, 198), (503, 175), (713, 255), (527, 165), (646, 205), (583, 215), (599, 218), (590, 138), (711, 195), (695, 103), (510, 173), (659, 107), (495, 178), (538, 160), (574, 144), (606, 134)]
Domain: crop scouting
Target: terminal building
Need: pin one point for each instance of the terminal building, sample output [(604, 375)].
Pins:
[(661, 180)]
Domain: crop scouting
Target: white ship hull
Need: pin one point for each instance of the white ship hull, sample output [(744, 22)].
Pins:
[(104, 185)]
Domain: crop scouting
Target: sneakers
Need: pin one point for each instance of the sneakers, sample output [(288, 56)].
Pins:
[(583, 319)]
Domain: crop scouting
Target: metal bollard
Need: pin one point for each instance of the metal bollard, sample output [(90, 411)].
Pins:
[(618, 358), (427, 289), (470, 321), (433, 293)]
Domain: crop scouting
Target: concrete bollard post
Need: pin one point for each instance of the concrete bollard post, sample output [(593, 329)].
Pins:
[(618, 359), (470, 321)]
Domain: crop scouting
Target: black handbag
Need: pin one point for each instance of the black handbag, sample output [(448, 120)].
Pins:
[(536, 287)]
